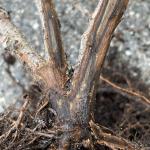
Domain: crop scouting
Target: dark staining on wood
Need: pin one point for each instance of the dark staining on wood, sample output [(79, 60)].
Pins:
[(52, 33), (74, 105), (120, 7)]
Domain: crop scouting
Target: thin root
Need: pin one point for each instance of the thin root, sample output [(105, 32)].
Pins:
[(104, 137), (15, 125), (127, 91)]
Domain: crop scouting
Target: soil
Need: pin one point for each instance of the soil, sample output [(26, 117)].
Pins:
[(125, 115), (120, 112)]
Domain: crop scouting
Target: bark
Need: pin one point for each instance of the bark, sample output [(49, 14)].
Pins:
[(11, 38), (73, 105), (51, 30)]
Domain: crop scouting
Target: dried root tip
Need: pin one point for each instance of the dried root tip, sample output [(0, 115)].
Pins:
[(106, 137)]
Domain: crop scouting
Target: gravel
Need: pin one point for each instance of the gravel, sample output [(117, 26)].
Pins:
[(74, 16)]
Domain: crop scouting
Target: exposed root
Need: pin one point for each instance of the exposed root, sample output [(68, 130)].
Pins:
[(16, 124), (143, 99), (40, 133), (33, 136), (71, 111), (105, 137), (42, 107), (23, 109)]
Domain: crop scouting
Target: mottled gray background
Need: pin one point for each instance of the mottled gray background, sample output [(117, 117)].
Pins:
[(74, 15)]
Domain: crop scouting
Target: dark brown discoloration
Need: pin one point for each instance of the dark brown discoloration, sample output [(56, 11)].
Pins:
[(52, 34), (73, 106), (75, 109)]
